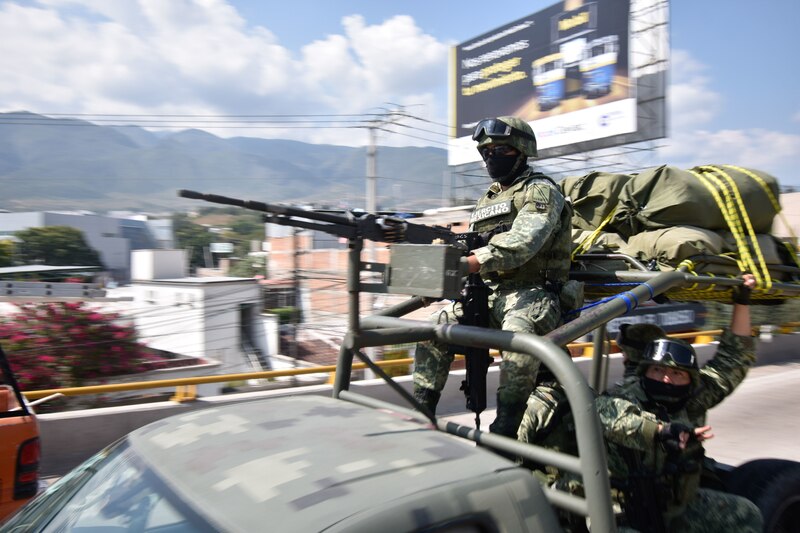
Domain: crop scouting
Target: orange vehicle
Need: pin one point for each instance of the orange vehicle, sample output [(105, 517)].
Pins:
[(19, 444)]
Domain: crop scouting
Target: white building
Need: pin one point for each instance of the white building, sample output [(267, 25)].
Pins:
[(215, 318), (113, 238)]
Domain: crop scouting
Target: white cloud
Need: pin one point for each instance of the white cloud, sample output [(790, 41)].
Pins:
[(694, 105), (691, 100), (201, 57), (770, 151)]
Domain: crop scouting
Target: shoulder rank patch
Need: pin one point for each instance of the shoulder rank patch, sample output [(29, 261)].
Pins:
[(540, 196), (490, 211)]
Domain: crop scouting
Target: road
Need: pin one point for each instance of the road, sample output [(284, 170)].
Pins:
[(759, 420)]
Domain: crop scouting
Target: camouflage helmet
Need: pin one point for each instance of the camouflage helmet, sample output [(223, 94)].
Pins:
[(633, 338), (512, 131), (672, 353)]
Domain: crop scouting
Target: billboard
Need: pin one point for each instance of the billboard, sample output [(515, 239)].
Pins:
[(567, 71)]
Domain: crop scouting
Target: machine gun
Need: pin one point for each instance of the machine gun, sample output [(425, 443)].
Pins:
[(348, 225), (442, 276)]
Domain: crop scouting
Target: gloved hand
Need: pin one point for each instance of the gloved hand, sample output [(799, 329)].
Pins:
[(741, 294), (671, 432)]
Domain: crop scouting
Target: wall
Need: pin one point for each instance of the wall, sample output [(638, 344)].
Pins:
[(198, 317), (787, 224), (158, 264), (104, 235)]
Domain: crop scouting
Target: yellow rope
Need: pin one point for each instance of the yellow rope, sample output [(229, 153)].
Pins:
[(689, 264), (745, 260), (589, 240), (767, 283), (775, 203), (726, 214), (792, 253)]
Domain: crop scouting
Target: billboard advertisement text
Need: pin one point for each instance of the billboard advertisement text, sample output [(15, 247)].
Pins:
[(564, 69)]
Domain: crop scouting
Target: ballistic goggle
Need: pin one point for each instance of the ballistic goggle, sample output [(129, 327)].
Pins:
[(493, 127), (666, 350)]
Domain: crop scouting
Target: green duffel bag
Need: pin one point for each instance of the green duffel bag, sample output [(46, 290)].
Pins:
[(669, 246), (593, 197), (668, 196), (711, 253), (602, 243)]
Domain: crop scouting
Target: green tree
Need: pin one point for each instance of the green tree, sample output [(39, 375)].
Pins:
[(248, 267), (6, 253), (56, 245), (192, 237), (248, 227)]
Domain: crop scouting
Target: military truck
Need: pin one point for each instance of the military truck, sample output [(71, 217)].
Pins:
[(351, 462)]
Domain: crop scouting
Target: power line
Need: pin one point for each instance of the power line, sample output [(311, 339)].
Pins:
[(194, 115)]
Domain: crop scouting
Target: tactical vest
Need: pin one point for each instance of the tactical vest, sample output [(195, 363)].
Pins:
[(551, 263)]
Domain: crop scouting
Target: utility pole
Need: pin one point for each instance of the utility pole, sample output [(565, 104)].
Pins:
[(372, 165), (371, 203), (372, 170), (297, 297)]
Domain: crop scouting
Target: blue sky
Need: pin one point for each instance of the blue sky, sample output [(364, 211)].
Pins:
[(732, 99)]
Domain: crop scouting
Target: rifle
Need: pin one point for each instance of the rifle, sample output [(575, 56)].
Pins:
[(474, 296), (475, 312), (643, 508)]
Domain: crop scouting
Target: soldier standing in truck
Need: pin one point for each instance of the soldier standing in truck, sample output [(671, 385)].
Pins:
[(525, 263)]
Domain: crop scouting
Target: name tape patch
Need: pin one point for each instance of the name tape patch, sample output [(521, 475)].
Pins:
[(490, 211)]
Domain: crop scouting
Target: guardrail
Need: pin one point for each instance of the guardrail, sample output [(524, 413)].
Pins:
[(200, 380), (185, 386)]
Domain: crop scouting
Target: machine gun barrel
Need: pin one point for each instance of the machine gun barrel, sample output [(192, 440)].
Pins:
[(368, 226), (253, 205)]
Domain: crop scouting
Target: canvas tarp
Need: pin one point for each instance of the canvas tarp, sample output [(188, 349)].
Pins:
[(593, 197), (667, 196)]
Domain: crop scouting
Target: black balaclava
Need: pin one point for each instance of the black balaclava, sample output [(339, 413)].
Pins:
[(673, 397), (504, 169)]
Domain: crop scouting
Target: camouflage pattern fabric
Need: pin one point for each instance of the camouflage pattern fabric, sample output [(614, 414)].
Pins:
[(632, 339), (631, 420), (548, 422), (537, 247), (711, 511), (524, 267), (432, 360), (526, 146), (532, 310)]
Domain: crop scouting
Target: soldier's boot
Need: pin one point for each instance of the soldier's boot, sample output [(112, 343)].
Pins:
[(428, 398), (509, 417), (506, 423)]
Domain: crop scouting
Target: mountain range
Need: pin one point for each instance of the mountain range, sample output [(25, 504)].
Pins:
[(52, 163)]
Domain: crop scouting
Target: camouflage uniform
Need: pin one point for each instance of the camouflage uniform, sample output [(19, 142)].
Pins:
[(548, 421), (630, 419), (524, 267)]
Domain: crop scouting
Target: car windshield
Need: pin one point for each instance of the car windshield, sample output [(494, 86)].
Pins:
[(114, 491)]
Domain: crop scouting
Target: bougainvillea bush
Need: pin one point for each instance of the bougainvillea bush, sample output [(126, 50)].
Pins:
[(69, 345)]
